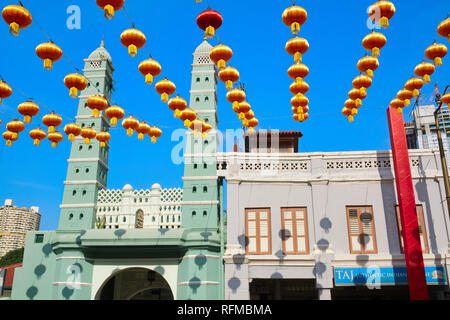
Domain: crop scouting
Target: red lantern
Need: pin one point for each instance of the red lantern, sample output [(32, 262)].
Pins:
[(229, 75), (355, 94), (10, 137), (51, 121), (248, 116), (424, 70), (381, 12), (110, 7), (150, 69), (187, 116), (28, 110), (155, 133), (97, 104), (165, 88), (252, 124), (444, 29), (298, 72), (37, 135), (362, 82), (299, 102), (294, 17), (75, 82), (209, 21), (142, 130), (133, 39), (17, 17), (405, 96), (397, 104), (15, 127), (374, 42), (436, 52), (297, 47), (235, 97), (5, 91), (55, 138), (177, 105), (414, 85), (103, 137), (242, 109), (72, 130), (49, 52), (351, 105), (348, 113), (88, 134), (114, 113), (446, 99), (368, 65), (130, 124), (299, 88), (220, 55)]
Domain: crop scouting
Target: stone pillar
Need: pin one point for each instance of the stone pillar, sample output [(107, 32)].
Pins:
[(152, 218)]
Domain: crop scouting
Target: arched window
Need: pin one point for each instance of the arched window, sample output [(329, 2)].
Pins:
[(139, 219)]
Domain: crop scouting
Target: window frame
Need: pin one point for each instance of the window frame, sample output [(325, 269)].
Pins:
[(363, 246), (421, 220), (258, 231), (294, 229)]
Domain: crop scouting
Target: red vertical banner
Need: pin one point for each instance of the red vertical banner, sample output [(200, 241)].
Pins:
[(407, 204)]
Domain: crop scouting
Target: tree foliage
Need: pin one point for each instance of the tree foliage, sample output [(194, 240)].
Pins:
[(12, 257)]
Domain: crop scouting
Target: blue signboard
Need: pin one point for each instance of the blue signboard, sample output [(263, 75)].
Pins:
[(385, 276)]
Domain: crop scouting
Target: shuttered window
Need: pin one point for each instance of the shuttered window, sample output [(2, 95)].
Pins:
[(257, 231), (361, 230), (294, 231), (422, 228)]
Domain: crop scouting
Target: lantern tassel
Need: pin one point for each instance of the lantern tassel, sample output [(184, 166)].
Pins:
[(358, 102), (438, 61), (384, 22), (235, 104), (164, 97), (295, 27), (0, 100), (245, 123), (187, 123), (141, 136), (109, 11), (54, 145), (354, 111), (96, 113), (37, 142), (87, 141), (14, 29), (399, 110), (350, 119), (113, 122), (132, 50), (204, 135), (149, 79), (407, 102), (177, 113), (363, 91), (27, 119), (9, 143), (299, 80), (416, 93), (229, 85), (426, 78), (102, 144), (51, 129), (48, 64), (221, 64), (241, 116), (369, 72), (376, 52), (298, 57), (153, 139), (250, 129), (209, 32), (129, 132), (73, 92), (71, 137)]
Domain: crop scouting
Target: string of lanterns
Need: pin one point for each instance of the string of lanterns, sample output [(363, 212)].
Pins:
[(50, 53), (423, 71), (294, 17), (380, 12)]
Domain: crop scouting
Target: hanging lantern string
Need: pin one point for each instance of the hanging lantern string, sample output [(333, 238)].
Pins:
[(35, 101), (146, 48)]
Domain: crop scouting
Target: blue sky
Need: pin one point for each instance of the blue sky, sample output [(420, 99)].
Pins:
[(254, 30)]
